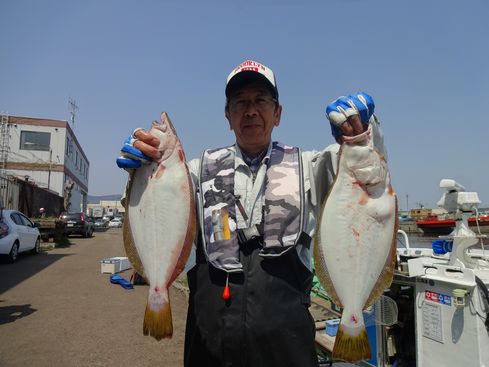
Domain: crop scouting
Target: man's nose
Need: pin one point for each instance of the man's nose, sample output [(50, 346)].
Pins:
[(251, 108)]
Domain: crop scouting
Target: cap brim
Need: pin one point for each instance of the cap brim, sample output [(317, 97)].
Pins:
[(246, 77)]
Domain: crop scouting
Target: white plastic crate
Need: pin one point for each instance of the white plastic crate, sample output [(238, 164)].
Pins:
[(114, 265)]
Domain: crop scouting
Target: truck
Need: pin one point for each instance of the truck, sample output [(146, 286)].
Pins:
[(50, 227), (98, 212)]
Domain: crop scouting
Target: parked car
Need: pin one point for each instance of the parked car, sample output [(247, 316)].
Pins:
[(77, 223), (100, 224), (108, 218), (115, 223), (17, 234)]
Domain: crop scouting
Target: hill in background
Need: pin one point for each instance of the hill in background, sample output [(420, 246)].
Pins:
[(93, 199)]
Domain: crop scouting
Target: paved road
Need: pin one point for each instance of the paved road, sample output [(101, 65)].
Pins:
[(57, 309)]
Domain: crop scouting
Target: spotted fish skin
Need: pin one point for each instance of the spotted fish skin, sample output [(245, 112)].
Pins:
[(355, 243), (160, 225)]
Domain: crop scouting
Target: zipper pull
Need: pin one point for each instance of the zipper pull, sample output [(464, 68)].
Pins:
[(226, 294)]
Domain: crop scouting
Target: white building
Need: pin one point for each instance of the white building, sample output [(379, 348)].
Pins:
[(46, 152)]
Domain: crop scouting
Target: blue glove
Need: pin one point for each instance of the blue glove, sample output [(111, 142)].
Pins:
[(131, 157), (341, 109)]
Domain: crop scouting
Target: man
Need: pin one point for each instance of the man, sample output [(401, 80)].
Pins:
[(258, 202)]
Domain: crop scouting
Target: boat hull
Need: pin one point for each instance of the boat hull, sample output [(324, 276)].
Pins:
[(442, 227)]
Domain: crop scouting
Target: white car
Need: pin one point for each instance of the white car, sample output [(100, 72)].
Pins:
[(17, 234), (115, 223)]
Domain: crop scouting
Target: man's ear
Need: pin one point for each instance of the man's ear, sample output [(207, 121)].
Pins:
[(277, 115), (226, 113)]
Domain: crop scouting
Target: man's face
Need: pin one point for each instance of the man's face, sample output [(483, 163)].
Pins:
[(252, 114)]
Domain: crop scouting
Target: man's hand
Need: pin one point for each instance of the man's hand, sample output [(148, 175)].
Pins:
[(139, 148), (349, 115)]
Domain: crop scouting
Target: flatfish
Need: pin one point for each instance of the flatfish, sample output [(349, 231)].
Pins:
[(160, 225), (355, 243)]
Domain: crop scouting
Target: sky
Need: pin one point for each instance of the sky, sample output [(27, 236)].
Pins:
[(425, 63)]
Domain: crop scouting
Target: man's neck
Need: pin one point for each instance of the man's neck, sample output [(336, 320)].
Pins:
[(253, 161), (251, 154)]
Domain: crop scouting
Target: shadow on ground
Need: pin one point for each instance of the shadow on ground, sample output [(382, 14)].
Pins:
[(12, 313), (26, 266)]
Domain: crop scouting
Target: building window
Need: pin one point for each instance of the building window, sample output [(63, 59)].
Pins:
[(34, 140), (69, 148)]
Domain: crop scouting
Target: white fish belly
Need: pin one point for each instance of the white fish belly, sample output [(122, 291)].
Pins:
[(159, 210), (357, 226), (356, 240)]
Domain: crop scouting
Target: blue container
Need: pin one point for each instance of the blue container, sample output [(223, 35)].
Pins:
[(332, 327), (441, 247)]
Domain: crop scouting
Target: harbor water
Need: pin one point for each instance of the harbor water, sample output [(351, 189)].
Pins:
[(418, 240)]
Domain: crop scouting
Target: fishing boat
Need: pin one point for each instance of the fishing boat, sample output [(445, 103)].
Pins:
[(436, 311), (432, 225)]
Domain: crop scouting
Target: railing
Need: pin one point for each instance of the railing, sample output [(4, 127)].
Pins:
[(9, 193)]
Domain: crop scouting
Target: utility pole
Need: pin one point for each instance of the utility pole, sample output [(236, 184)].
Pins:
[(407, 202), (73, 108), (4, 141), (49, 172)]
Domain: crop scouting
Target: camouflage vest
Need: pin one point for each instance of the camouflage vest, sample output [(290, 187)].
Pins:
[(283, 208)]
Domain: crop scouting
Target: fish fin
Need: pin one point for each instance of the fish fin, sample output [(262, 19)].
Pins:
[(385, 278), (351, 348), (322, 273), (318, 255), (130, 248), (158, 321), (338, 159)]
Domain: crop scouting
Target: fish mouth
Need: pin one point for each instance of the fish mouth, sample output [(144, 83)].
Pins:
[(358, 138), (165, 125)]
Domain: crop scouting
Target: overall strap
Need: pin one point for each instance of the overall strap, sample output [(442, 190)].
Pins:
[(218, 209), (284, 200)]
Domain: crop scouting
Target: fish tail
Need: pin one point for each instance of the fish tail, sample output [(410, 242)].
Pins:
[(158, 320), (351, 346)]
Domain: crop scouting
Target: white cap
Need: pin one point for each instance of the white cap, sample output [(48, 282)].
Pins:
[(250, 70)]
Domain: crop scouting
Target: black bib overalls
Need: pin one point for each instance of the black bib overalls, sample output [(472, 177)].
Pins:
[(265, 323)]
